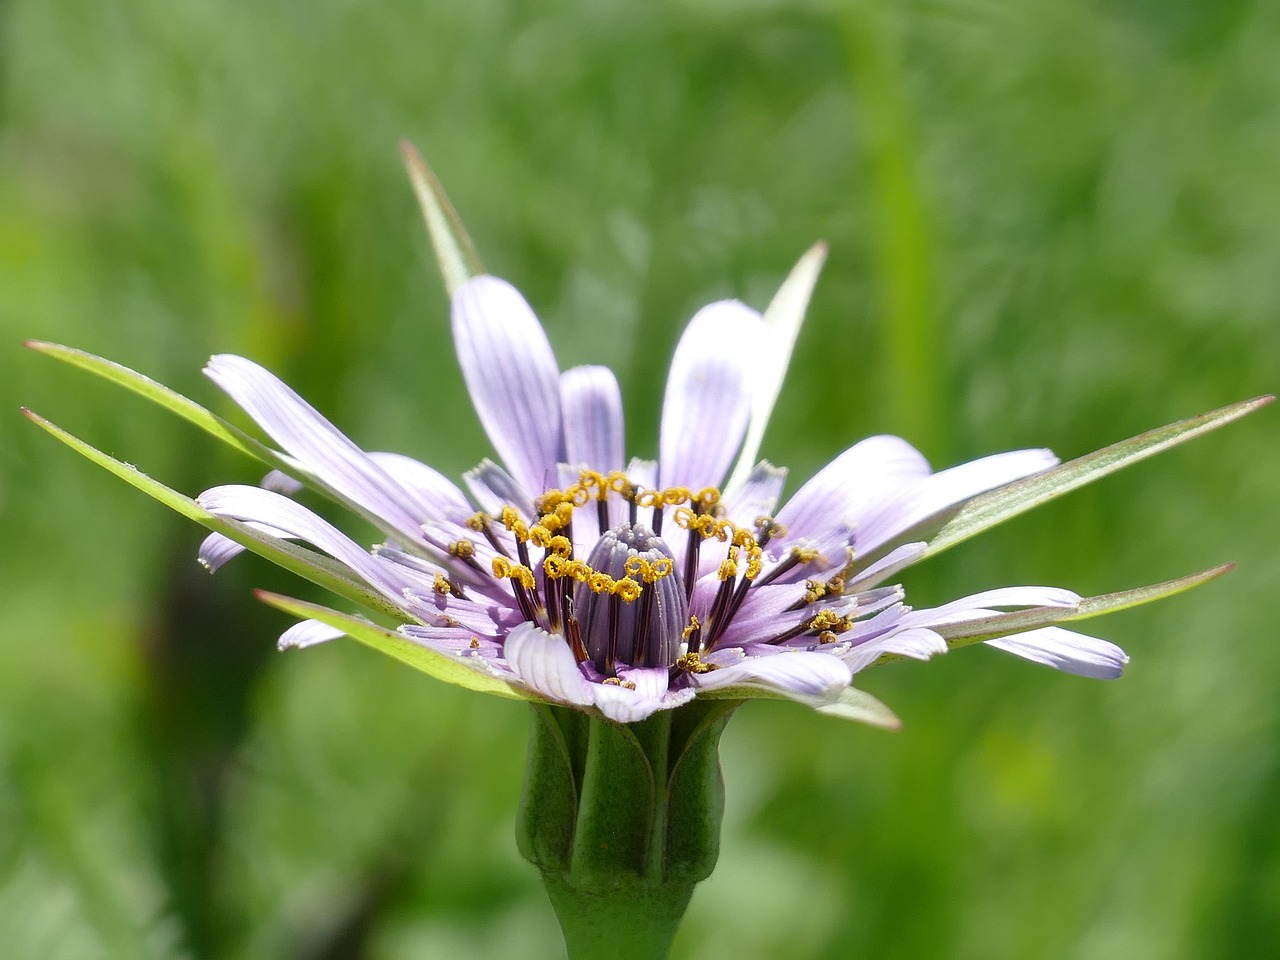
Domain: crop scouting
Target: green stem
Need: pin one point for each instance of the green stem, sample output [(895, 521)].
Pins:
[(623, 820), (638, 922)]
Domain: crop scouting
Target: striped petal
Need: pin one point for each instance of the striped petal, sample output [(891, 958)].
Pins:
[(593, 426), (513, 378), (708, 396), (1067, 651)]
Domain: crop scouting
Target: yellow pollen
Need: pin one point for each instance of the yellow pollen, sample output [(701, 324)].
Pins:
[(560, 546), (478, 522), (599, 582), (539, 536), (826, 636), (805, 554), (627, 589), (825, 620), (754, 566), (442, 584), (612, 681), (475, 643), (462, 549), (694, 624), (692, 663)]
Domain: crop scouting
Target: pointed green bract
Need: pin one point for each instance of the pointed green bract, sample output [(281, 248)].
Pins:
[(455, 253), (161, 395), (782, 320), (312, 566), (1003, 503), (862, 707), (1019, 621), (432, 662)]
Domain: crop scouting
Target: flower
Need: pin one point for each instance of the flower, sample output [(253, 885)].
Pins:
[(629, 587), (569, 575)]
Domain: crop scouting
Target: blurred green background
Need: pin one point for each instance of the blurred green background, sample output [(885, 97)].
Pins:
[(1050, 224)]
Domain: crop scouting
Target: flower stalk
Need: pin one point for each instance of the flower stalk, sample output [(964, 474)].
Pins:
[(622, 821)]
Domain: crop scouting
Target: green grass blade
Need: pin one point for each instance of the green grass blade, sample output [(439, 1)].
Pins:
[(453, 670), (999, 505), (455, 253), (171, 400), (1019, 621), (319, 569)]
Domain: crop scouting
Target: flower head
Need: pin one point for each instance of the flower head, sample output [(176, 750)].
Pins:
[(630, 587)]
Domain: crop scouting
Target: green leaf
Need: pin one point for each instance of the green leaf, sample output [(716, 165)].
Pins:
[(319, 569), (455, 670), (997, 506), (782, 320), (454, 251), (548, 812), (171, 400), (860, 706), (1020, 621)]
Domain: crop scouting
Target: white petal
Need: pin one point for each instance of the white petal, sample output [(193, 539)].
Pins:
[(782, 319), (216, 549), (1067, 651), (545, 664), (317, 445), (851, 484), (593, 426), (307, 633), (513, 378), (650, 695), (791, 673), (708, 396)]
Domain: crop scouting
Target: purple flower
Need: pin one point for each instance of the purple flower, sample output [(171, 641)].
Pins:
[(570, 574)]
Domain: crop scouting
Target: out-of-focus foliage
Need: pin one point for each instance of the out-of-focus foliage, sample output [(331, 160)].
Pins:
[(1050, 224)]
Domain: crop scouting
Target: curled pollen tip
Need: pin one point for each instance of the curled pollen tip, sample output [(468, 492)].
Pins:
[(478, 521), (827, 636), (627, 589), (615, 682), (442, 584), (693, 627)]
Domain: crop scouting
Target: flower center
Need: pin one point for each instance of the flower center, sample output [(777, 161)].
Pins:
[(629, 603)]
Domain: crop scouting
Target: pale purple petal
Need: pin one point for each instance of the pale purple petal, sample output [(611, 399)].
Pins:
[(593, 425), (891, 563), (436, 492), (756, 496), (919, 643), (1066, 650), (494, 488), (946, 489), (280, 482), (852, 483), (316, 443), (513, 378), (216, 549), (255, 505), (791, 673), (307, 633), (708, 396), (545, 664)]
